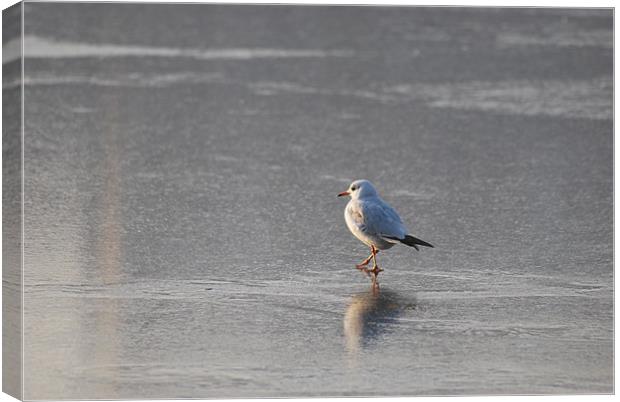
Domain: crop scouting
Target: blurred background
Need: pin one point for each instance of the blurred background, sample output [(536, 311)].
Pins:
[(183, 237)]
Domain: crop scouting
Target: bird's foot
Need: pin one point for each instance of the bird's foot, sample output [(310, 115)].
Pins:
[(365, 262), (362, 265), (375, 271)]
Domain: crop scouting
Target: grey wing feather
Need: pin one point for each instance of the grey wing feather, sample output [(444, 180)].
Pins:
[(381, 219)]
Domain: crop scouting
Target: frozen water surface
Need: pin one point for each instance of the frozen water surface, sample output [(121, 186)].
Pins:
[(183, 235)]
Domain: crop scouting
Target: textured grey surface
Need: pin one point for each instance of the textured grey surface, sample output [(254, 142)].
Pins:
[(12, 207), (183, 235)]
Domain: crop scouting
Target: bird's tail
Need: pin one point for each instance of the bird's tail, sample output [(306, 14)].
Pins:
[(414, 242)]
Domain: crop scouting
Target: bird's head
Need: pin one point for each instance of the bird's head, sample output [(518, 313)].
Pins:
[(360, 189)]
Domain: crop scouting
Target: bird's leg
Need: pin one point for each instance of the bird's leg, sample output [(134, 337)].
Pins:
[(366, 261), (362, 265), (375, 268)]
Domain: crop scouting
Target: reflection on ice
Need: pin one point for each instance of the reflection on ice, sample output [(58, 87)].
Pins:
[(369, 315)]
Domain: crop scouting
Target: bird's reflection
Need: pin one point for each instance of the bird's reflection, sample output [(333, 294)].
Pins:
[(369, 316)]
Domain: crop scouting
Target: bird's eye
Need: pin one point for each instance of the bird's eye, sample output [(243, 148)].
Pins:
[(353, 188)]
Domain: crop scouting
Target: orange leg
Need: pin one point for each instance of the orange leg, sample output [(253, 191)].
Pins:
[(375, 269), (367, 260)]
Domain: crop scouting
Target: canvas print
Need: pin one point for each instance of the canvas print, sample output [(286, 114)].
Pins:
[(224, 201)]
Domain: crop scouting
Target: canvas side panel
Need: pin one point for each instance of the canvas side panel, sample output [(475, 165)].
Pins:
[(12, 201)]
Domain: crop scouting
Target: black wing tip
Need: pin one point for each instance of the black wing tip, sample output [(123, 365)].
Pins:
[(414, 242), (411, 241)]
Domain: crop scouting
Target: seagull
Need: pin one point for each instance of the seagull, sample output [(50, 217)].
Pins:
[(375, 223)]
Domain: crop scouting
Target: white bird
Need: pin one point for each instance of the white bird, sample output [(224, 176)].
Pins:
[(375, 223)]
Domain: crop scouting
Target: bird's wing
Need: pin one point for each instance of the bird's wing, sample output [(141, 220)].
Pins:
[(381, 219)]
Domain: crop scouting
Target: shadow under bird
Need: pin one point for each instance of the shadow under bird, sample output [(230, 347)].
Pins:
[(375, 223)]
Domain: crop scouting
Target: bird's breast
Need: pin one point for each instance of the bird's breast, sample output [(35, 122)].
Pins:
[(355, 222)]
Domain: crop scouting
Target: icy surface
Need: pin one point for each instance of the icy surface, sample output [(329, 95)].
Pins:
[(183, 234)]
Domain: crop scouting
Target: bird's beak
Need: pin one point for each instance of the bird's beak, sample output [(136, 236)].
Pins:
[(343, 193)]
